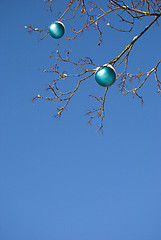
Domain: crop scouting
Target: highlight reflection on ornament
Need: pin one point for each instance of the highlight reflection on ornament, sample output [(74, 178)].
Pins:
[(105, 76), (56, 29)]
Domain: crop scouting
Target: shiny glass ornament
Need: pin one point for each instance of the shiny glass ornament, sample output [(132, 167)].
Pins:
[(56, 29), (105, 76)]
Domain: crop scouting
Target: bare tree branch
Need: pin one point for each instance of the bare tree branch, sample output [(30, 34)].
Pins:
[(92, 14)]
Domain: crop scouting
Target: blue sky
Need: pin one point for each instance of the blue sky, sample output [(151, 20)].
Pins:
[(59, 179)]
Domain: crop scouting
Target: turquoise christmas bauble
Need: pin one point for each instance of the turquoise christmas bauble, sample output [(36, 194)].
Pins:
[(56, 29), (105, 76)]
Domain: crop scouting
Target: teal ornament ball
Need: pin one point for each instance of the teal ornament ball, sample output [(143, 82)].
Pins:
[(56, 29), (105, 76)]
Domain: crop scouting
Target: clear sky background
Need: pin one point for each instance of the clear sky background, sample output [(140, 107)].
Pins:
[(60, 179)]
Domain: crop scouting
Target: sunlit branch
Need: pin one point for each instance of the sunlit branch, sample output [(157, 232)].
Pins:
[(91, 16)]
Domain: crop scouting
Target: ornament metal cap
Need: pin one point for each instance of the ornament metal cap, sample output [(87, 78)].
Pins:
[(105, 65), (60, 23)]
